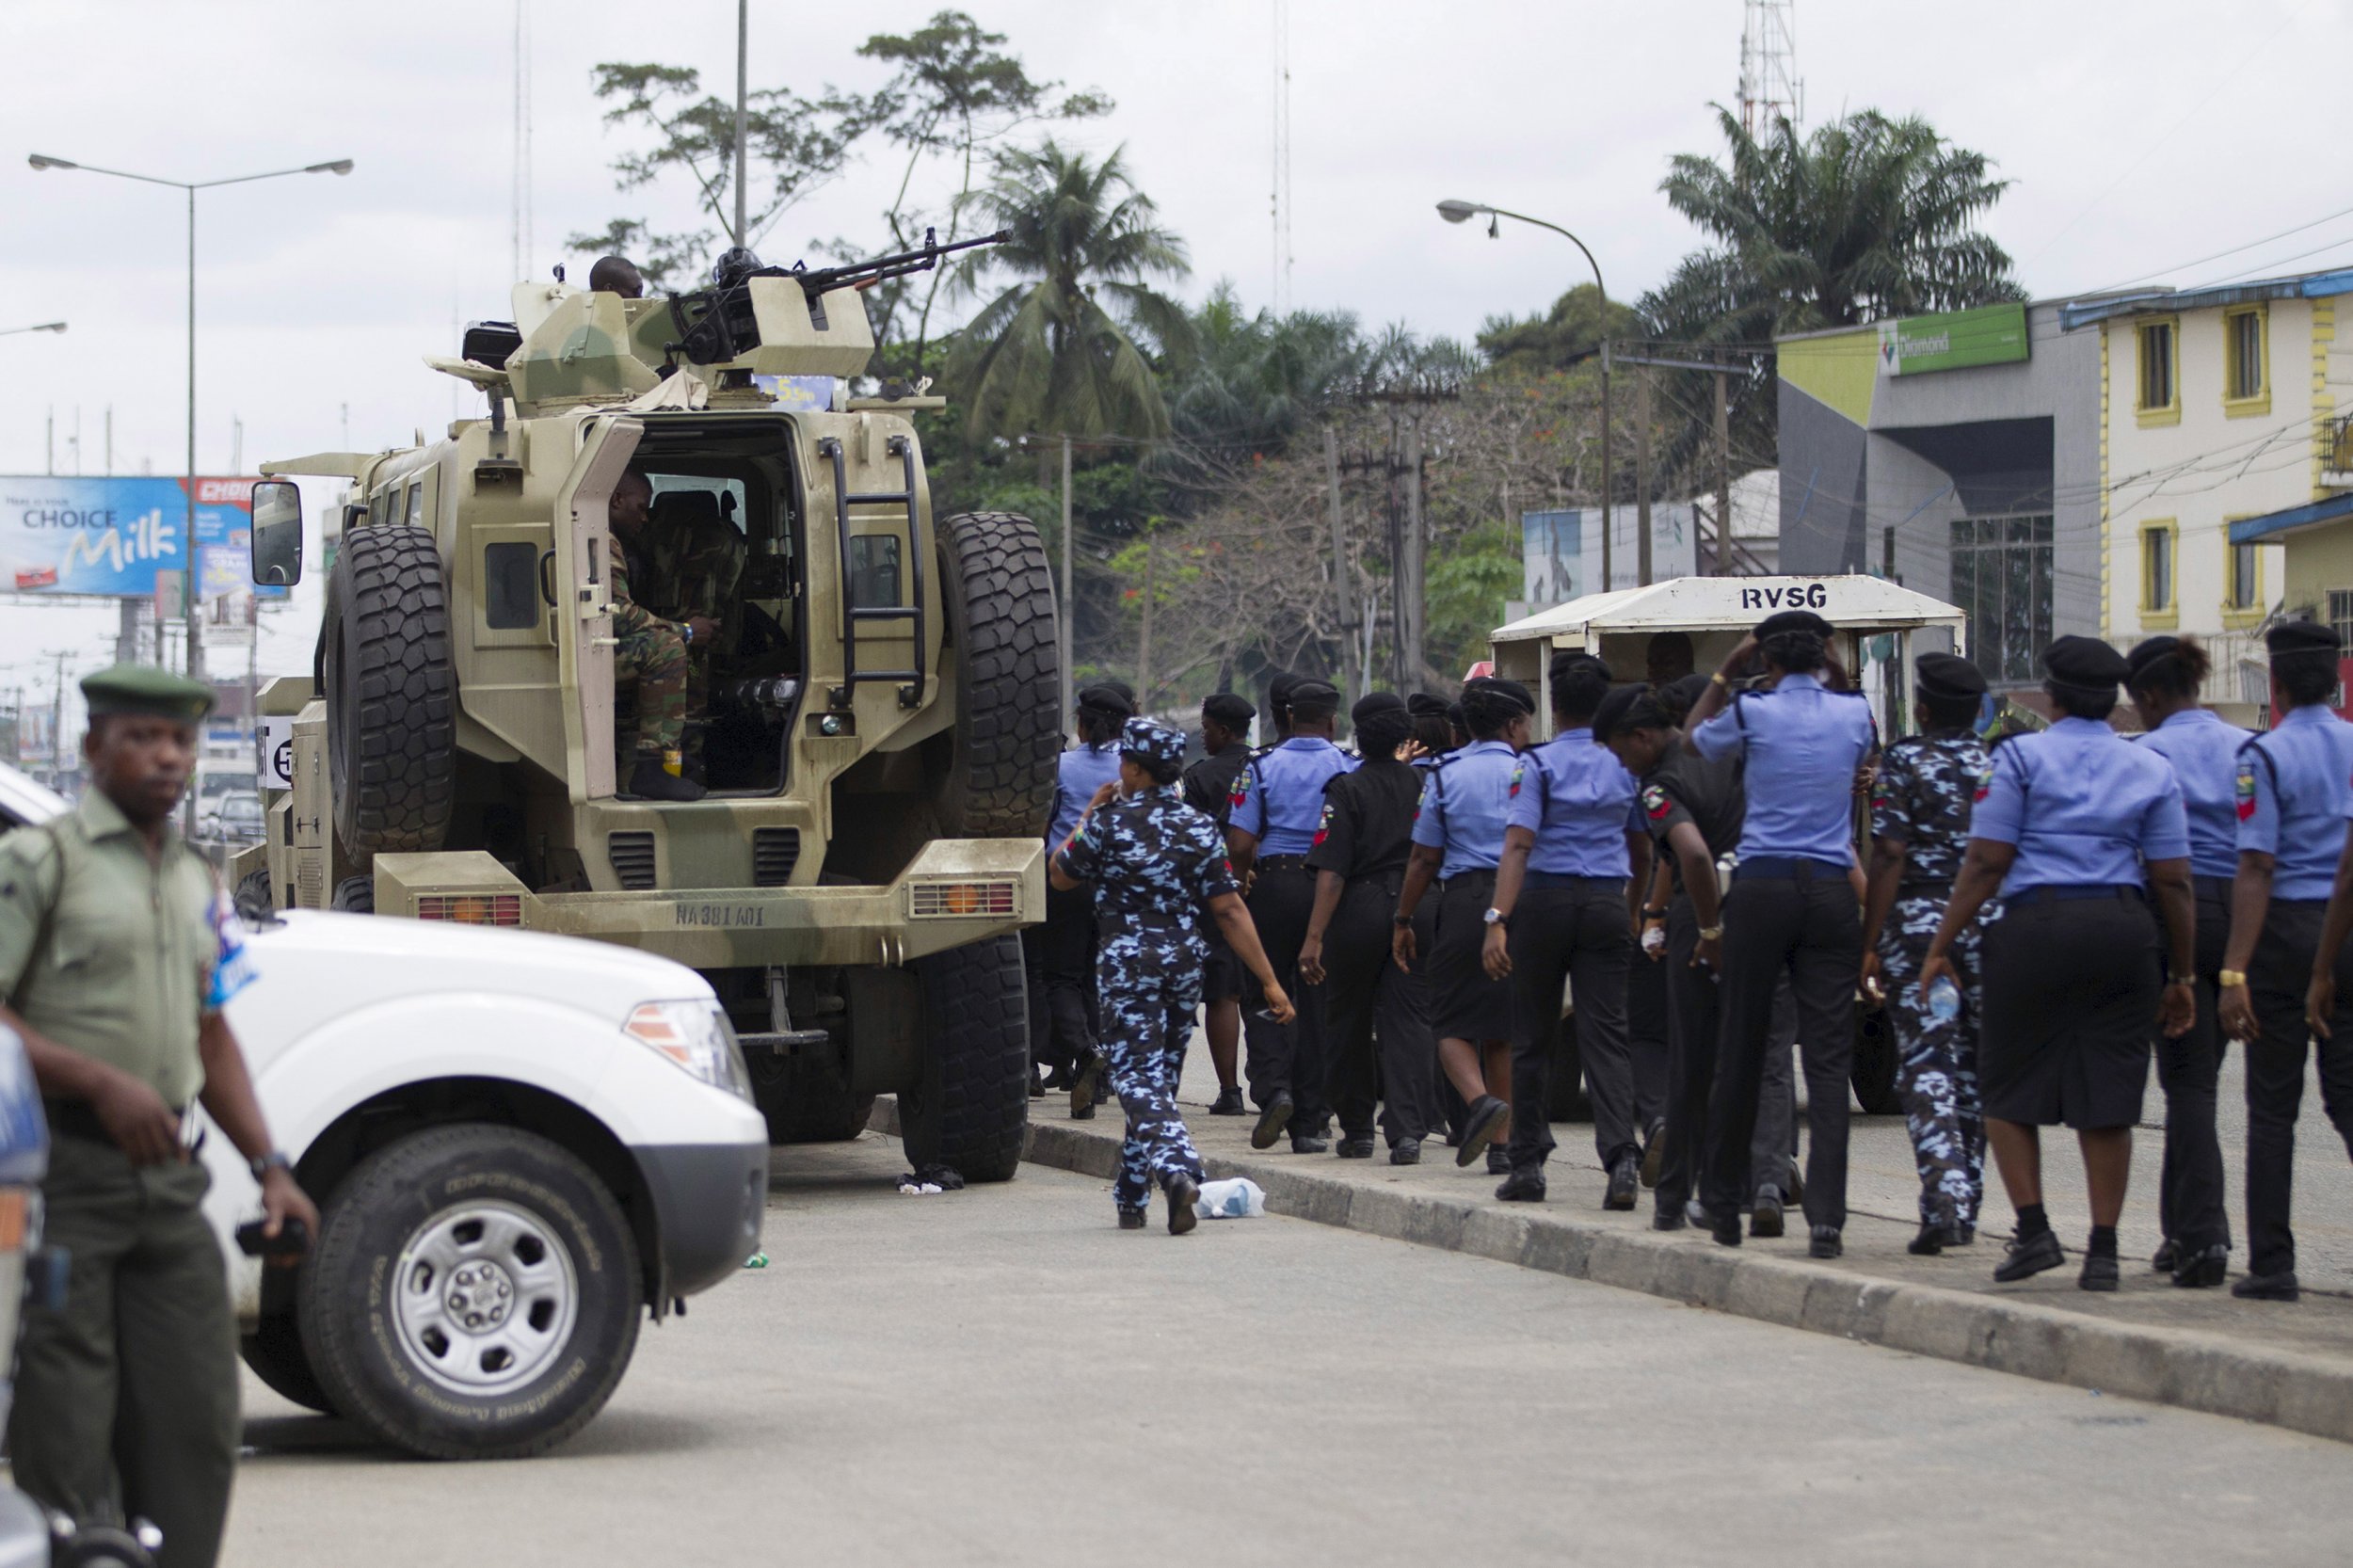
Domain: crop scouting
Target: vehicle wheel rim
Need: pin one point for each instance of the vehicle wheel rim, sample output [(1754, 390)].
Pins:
[(485, 1297)]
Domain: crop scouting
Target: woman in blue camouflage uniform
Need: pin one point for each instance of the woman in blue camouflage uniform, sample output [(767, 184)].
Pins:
[(1919, 832), (1155, 863)]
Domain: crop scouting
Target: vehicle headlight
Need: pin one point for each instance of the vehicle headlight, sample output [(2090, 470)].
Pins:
[(697, 1036)]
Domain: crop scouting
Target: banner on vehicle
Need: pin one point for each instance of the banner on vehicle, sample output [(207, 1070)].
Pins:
[(113, 537)]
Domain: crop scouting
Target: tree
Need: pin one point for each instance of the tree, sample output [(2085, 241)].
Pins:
[(1568, 334), (795, 144), (1248, 383), (1049, 354), (955, 95)]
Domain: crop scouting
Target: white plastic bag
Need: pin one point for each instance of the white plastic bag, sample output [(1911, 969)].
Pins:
[(1235, 1198)]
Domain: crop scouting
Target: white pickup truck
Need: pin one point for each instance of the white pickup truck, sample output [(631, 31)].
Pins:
[(519, 1144)]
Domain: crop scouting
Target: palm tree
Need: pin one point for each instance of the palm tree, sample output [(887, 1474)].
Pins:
[(1064, 349)]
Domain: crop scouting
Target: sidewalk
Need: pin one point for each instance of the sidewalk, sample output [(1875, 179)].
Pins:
[(2291, 1366)]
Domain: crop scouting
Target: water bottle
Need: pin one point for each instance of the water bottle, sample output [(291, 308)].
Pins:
[(1944, 1001)]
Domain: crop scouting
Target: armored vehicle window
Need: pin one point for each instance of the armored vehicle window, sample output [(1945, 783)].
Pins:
[(874, 570), (416, 505), (510, 585)]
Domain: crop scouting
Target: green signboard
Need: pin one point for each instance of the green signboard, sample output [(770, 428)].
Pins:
[(1989, 335)]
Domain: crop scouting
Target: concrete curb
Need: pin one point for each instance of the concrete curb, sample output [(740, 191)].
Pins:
[(2194, 1370)]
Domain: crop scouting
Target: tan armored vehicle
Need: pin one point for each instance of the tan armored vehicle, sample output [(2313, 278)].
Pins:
[(875, 719)]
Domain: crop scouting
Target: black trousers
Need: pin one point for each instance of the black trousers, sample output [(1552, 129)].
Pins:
[(1694, 1023), (1646, 1036), (2190, 1208), (1286, 1057), (1377, 1036), (1808, 927), (1058, 959), (1575, 932), (2276, 979)]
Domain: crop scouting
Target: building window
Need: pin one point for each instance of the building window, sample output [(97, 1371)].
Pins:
[(2246, 380), (2246, 584), (2156, 574), (2340, 615), (2001, 570), (2160, 391)]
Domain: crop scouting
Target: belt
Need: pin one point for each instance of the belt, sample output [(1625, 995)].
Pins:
[(1572, 879), (1393, 881), (2076, 893), (1280, 863), (79, 1119), (1784, 867), (1470, 878)]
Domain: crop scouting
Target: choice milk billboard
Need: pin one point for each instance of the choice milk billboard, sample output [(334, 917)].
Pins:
[(111, 536)]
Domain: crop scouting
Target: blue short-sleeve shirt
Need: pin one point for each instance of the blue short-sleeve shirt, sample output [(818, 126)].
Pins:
[(2083, 805), (1278, 795), (1466, 804), (1579, 801), (1077, 774), (2294, 787), (1802, 742), (2204, 751)]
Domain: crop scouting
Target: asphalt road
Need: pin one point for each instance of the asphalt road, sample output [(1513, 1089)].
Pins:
[(1001, 1376)]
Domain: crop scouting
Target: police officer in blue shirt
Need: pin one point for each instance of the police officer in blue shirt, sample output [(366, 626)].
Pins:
[(1792, 909), (1458, 839), (2077, 827), (1277, 801), (1576, 857), (1059, 953), (2294, 787), (2163, 677)]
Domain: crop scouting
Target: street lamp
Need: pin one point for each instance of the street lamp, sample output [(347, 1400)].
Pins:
[(1462, 212), (43, 326), (42, 162)]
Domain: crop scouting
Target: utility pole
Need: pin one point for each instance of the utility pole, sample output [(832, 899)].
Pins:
[(1144, 643), (1641, 476), (1069, 626), (127, 632), (1723, 476), (1608, 495), (1341, 588), (57, 721), (1412, 613), (742, 100)]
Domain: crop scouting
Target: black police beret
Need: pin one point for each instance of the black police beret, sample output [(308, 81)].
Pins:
[(1312, 698), (1114, 699), (1230, 709), (2146, 652), (1373, 704), (1424, 705), (2289, 637), (1568, 663), (1792, 620), (1614, 709), (1280, 684), (1948, 677), (1511, 690), (2085, 661)]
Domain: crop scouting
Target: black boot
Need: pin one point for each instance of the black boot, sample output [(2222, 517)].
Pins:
[(1228, 1103), (1271, 1120), (1525, 1184), (651, 780), (2029, 1255), (1184, 1192), (2202, 1270)]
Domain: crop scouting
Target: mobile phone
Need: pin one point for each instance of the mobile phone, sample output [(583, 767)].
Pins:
[(292, 1240)]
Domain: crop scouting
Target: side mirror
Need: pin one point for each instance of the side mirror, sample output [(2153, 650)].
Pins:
[(276, 533)]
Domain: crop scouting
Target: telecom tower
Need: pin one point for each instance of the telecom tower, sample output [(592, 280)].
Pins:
[(520, 236), (1279, 198), (1769, 86)]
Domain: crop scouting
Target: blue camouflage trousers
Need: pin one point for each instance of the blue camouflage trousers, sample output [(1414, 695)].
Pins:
[(1148, 1002), (1937, 1067)]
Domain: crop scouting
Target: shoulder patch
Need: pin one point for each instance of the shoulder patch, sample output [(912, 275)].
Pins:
[(1519, 771), (1323, 824), (1985, 783), (1241, 792), (1654, 803), (2244, 791)]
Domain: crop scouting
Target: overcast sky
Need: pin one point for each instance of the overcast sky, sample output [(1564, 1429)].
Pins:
[(2142, 135)]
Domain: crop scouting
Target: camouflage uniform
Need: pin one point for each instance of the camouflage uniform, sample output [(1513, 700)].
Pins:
[(1155, 862), (654, 650), (1927, 786), (691, 570)]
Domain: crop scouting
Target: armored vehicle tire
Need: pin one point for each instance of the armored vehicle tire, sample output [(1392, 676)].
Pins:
[(1874, 1071), (997, 781), (807, 1102), (392, 693), (354, 895), (473, 1294), (970, 1105)]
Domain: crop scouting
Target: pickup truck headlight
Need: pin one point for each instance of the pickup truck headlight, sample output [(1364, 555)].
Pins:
[(697, 1036)]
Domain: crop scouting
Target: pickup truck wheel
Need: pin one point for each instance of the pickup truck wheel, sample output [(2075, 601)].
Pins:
[(998, 778), (1874, 1071), (475, 1294), (392, 693), (969, 1104)]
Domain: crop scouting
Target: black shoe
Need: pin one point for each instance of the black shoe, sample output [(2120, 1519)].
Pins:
[(1825, 1242), (1487, 1114), (2101, 1272), (1087, 1089), (1037, 1085), (1309, 1143), (1724, 1228), (1695, 1213), (1131, 1219), (1184, 1192), (1668, 1217), (1793, 1190), (1930, 1242), (1524, 1184), (1355, 1148), (1765, 1214), (1498, 1161), (1228, 1103), (1654, 1151), (2167, 1258), (2268, 1287), (651, 780), (2029, 1255), (1962, 1236), (2203, 1271), (1625, 1179), (1059, 1080), (1405, 1151), (1271, 1120)]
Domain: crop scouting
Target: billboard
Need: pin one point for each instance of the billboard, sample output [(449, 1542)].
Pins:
[(113, 537), (1560, 551), (1989, 335)]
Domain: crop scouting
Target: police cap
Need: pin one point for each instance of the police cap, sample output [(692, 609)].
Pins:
[(2291, 638), (1230, 709), (2085, 662), (1792, 620), (1112, 698), (143, 689), (2146, 652), (1424, 705), (1153, 742), (1313, 700), (1373, 704), (1949, 677)]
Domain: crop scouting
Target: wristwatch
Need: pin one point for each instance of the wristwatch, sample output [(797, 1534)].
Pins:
[(686, 630), (1496, 916), (1712, 932), (1401, 920), (1650, 914), (2226, 979), (261, 1165)]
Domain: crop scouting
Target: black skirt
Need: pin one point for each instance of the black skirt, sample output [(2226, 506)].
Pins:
[(1465, 1003), (2071, 1001)]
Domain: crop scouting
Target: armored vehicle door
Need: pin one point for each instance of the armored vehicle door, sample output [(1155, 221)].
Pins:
[(584, 636)]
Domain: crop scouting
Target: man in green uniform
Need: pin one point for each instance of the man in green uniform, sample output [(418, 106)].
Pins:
[(126, 1398), (652, 648)]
